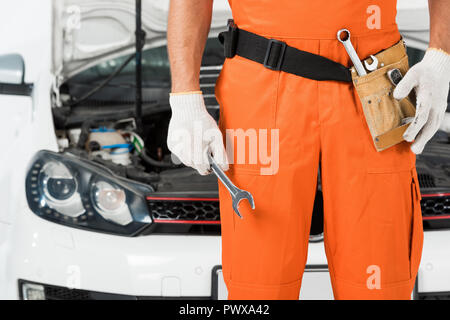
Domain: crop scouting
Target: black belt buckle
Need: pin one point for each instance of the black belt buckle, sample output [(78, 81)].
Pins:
[(230, 42), (279, 60)]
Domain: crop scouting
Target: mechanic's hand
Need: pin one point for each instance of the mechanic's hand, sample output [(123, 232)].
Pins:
[(445, 125), (193, 133), (430, 78)]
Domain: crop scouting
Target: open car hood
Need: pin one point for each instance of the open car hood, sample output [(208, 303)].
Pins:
[(86, 32)]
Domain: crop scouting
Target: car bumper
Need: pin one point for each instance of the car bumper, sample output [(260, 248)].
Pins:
[(316, 282), (151, 266), (433, 280), (80, 264), (72, 263)]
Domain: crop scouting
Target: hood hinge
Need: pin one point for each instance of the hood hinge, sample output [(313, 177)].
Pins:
[(56, 95)]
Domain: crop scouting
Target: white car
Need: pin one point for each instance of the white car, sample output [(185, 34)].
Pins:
[(92, 206)]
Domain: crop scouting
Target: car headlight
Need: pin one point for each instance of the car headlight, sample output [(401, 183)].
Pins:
[(110, 203), (78, 193), (59, 189)]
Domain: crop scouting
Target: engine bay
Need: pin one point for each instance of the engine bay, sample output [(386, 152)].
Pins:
[(110, 138), (107, 115)]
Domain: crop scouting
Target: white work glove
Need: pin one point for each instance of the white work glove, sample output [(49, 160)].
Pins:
[(193, 133), (445, 125), (430, 78)]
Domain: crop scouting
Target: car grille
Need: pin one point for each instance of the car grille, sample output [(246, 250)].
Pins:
[(63, 293), (436, 210), (432, 296), (435, 206), (184, 210), (60, 293)]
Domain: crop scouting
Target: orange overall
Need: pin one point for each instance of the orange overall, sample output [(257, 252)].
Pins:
[(373, 227)]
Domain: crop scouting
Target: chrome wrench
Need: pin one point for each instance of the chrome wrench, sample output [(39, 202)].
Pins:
[(236, 194), (372, 66), (351, 51)]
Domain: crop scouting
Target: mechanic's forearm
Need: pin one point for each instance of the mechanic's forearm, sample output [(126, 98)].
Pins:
[(440, 24), (188, 27)]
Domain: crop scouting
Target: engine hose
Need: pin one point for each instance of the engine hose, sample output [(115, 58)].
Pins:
[(149, 160), (85, 130)]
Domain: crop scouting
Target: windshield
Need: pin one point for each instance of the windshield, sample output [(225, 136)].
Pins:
[(155, 67)]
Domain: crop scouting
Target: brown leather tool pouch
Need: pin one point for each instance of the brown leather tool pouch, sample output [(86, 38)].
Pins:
[(385, 116)]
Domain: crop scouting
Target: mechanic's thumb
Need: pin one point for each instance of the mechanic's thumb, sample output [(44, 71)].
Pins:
[(219, 154), (406, 85)]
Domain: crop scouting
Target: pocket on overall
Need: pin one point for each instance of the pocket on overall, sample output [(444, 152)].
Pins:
[(384, 115), (247, 94), (416, 226), (394, 225)]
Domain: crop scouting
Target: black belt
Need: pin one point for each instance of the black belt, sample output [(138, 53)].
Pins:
[(276, 55)]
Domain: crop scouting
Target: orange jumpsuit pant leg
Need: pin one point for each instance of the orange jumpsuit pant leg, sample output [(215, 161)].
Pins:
[(280, 127)]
